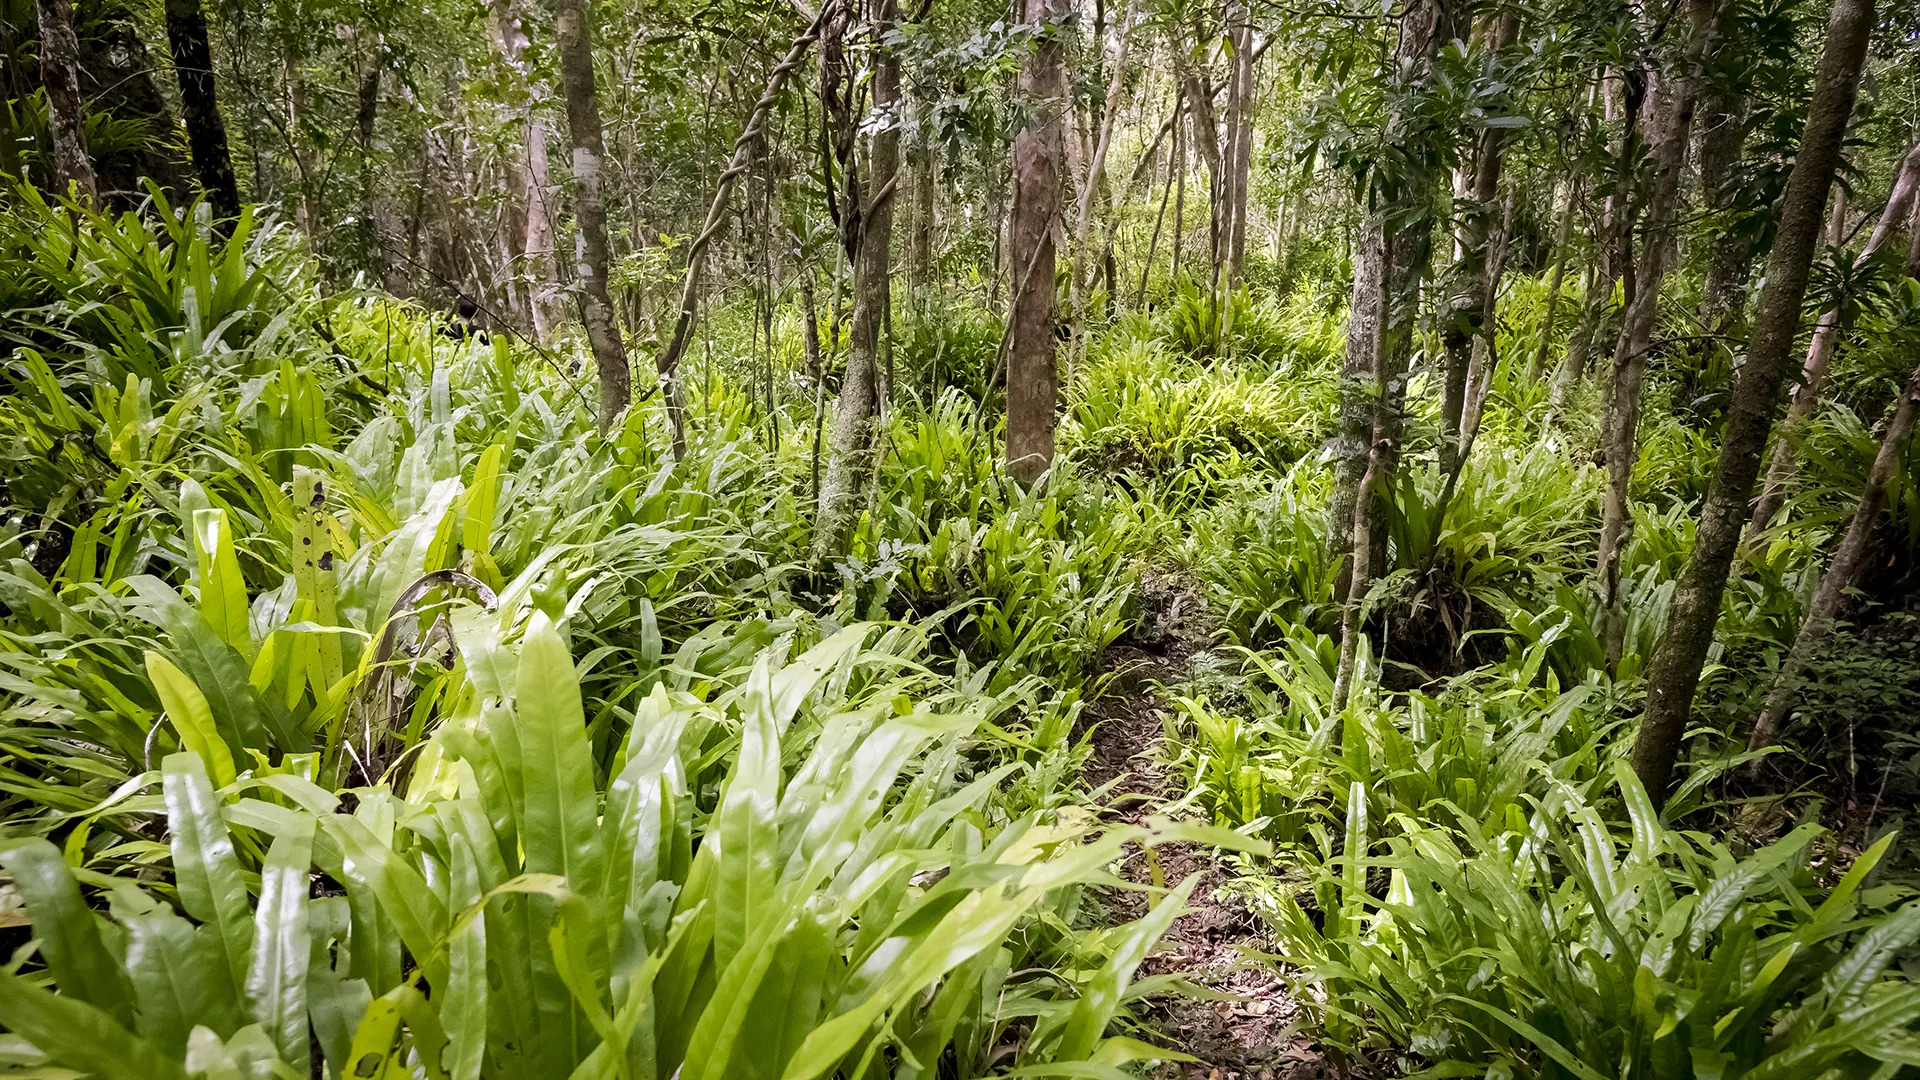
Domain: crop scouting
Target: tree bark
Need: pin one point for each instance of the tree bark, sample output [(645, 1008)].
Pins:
[(925, 175), (60, 74), (850, 447), (1722, 137), (1658, 252), (1204, 137), (1039, 158), (527, 233), (1241, 88), (1826, 335), (1596, 298), (199, 106), (1555, 279), (1467, 313), (1843, 572), (590, 210), (1675, 671), (1387, 277), (1078, 285)]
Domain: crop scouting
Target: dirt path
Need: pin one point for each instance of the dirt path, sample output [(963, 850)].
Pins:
[(1253, 1038)]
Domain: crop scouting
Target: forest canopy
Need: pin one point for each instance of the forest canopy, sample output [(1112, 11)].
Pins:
[(649, 540)]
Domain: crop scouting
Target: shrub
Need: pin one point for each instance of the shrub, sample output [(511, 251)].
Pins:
[(792, 878), (1561, 948)]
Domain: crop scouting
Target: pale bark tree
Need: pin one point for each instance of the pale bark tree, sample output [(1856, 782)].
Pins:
[(1556, 280), (1826, 335), (1039, 167), (1674, 674), (1242, 85), (1092, 192), (1659, 251), (66, 126), (850, 447), (924, 162), (590, 211), (527, 231), (199, 106), (1467, 315), (1623, 94), (1395, 252)]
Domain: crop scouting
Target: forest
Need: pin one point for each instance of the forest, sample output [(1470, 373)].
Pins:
[(841, 539)]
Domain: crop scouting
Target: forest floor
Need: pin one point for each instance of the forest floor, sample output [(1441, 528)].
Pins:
[(1255, 1034)]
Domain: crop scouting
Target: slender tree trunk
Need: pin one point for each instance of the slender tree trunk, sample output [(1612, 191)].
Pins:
[(1160, 219), (590, 210), (527, 232), (60, 74), (296, 105), (1365, 322), (850, 447), (542, 275), (1077, 283), (1675, 671), (1179, 189), (1241, 88), (1467, 315), (1826, 335), (1722, 138), (1039, 158), (925, 173), (1387, 278), (199, 107), (1204, 131), (1843, 572), (1562, 242), (1658, 252)]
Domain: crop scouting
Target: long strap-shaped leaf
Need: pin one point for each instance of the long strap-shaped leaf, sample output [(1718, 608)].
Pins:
[(204, 867), (277, 979), (744, 826), (68, 932), (80, 1036)]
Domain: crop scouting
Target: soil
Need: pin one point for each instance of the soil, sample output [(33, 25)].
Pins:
[(1255, 1035)]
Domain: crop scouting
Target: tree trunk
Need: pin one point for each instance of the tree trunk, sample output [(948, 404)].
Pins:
[(1675, 671), (1179, 188), (1386, 293), (60, 74), (850, 447), (1826, 335), (1658, 253), (1039, 156), (1241, 87), (1367, 308), (590, 210), (1204, 131), (199, 107), (1555, 279), (1467, 315), (1077, 283), (1160, 219), (542, 275), (527, 233), (925, 175), (1595, 300), (1843, 572), (1722, 137)]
